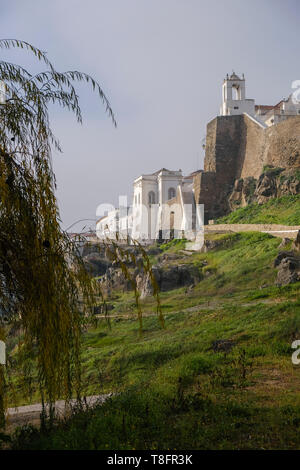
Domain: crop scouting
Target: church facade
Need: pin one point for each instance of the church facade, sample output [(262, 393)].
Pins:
[(163, 207)]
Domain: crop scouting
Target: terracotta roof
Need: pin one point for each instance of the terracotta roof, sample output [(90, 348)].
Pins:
[(265, 107)]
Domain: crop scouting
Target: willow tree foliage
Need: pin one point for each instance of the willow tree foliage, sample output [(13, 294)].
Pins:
[(43, 283)]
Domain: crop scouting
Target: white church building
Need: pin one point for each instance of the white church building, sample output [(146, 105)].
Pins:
[(163, 207)]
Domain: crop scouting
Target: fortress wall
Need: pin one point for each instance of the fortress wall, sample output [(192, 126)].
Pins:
[(209, 192), (223, 147), (238, 147), (210, 146), (251, 152), (221, 164), (282, 148)]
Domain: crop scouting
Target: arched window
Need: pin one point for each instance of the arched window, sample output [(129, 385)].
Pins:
[(236, 92), (151, 197), (171, 193)]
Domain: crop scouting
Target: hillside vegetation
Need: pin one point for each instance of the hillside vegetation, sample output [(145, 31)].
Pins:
[(218, 376), (284, 210)]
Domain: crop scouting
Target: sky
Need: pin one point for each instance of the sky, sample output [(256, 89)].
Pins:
[(161, 64)]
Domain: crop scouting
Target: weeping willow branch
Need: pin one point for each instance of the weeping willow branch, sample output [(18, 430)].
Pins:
[(43, 282)]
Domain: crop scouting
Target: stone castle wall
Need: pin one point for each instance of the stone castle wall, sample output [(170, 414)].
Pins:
[(238, 147), (282, 146)]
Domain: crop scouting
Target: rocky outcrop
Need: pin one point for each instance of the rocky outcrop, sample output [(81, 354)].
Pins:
[(168, 274), (296, 244), (168, 278), (288, 265), (96, 264), (285, 241), (114, 279), (242, 193), (272, 183)]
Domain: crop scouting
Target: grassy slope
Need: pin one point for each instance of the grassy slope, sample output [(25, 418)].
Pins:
[(176, 391), (284, 210)]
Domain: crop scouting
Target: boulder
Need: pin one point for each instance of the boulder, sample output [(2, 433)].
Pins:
[(282, 255), (288, 265), (209, 245)]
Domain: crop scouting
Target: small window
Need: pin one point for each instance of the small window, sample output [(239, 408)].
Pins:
[(236, 107), (171, 193)]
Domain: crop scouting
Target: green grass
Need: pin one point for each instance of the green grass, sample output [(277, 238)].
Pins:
[(284, 210), (172, 390), (173, 246)]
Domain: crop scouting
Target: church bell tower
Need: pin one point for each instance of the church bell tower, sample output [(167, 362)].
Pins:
[(234, 97)]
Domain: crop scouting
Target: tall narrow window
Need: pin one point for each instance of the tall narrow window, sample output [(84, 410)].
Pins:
[(171, 193), (236, 92), (151, 198)]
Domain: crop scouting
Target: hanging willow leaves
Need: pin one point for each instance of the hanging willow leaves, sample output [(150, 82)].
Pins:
[(43, 282)]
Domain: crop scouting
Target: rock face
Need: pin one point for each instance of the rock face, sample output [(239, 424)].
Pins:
[(168, 278), (266, 188), (284, 243), (288, 265), (115, 279), (166, 274), (272, 183), (296, 244), (96, 264), (242, 193)]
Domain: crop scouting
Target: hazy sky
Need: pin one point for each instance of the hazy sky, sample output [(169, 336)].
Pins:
[(161, 64)]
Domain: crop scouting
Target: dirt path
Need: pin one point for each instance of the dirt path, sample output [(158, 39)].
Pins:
[(210, 305), (30, 414)]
